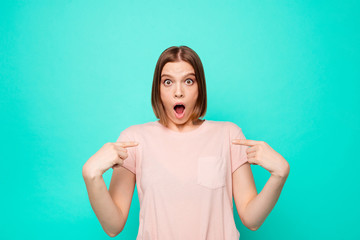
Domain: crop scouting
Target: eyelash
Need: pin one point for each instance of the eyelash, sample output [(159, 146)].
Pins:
[(185, 80)]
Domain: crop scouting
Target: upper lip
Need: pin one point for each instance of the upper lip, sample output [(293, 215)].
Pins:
[(179, 103)]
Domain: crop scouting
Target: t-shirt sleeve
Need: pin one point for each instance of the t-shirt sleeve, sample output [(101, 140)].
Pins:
[(237, 152), (130, 161)]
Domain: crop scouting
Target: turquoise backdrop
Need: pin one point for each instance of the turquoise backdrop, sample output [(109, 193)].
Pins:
[(74, 74)]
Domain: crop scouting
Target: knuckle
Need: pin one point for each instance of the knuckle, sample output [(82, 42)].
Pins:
[(123, 150), (115, 161), (109, 145)]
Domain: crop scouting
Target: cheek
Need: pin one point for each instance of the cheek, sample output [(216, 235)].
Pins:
[(195, 95), (164, 99), (162, 95), (195, 92)]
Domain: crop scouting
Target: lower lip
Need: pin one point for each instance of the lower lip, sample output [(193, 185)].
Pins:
[(181, 115)]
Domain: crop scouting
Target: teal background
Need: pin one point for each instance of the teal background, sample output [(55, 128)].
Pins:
[(74, 74)]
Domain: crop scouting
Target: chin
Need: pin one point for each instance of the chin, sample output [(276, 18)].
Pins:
[(179, 121)]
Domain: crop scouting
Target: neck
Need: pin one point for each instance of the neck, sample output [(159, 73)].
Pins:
[(185, 127)]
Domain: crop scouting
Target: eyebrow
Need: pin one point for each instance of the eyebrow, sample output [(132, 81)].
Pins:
[(168, 75)]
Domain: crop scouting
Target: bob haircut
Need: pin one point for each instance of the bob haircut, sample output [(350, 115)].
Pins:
[(178, 54)]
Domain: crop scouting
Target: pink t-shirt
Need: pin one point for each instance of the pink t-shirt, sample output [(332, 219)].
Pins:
[(184, 180)]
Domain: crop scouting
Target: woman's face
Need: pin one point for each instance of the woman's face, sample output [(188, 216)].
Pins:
[(178, 86)]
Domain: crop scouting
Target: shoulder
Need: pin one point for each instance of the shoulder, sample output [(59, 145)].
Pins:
[(230, 126), (233, 127), (138, 128)]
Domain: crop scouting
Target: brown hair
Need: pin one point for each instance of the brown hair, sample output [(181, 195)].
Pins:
[(177, 54)]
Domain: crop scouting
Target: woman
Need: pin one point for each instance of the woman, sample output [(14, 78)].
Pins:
[(187, 169)]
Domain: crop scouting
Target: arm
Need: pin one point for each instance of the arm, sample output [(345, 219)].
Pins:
[(112, 211), (253, 208)]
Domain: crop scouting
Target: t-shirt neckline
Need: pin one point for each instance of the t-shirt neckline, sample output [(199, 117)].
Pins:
[(183, 133)]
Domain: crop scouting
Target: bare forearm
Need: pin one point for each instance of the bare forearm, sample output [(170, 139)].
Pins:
[(259, 207), (110, 218)]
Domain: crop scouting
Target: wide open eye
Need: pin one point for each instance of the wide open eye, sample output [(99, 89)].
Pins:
[(189, 82), (167, 82)]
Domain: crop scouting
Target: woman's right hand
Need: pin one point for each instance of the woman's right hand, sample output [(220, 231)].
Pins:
[(109, 156)]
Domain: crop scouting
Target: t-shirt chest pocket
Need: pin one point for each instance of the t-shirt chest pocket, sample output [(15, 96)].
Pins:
[(211, 171)]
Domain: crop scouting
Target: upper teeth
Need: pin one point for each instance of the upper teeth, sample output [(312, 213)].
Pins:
[(179, 105)]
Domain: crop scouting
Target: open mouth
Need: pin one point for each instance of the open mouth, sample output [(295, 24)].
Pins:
[(179, 110)]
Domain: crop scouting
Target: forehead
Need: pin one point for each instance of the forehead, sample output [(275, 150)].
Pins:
[(177, 68)]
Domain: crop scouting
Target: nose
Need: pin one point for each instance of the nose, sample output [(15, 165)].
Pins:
[(179, 91)]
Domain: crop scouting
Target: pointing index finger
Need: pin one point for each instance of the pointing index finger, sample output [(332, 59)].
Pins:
[(128, 144), (246, 142)]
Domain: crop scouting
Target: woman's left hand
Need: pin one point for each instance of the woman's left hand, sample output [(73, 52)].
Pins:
[(260, 153)]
